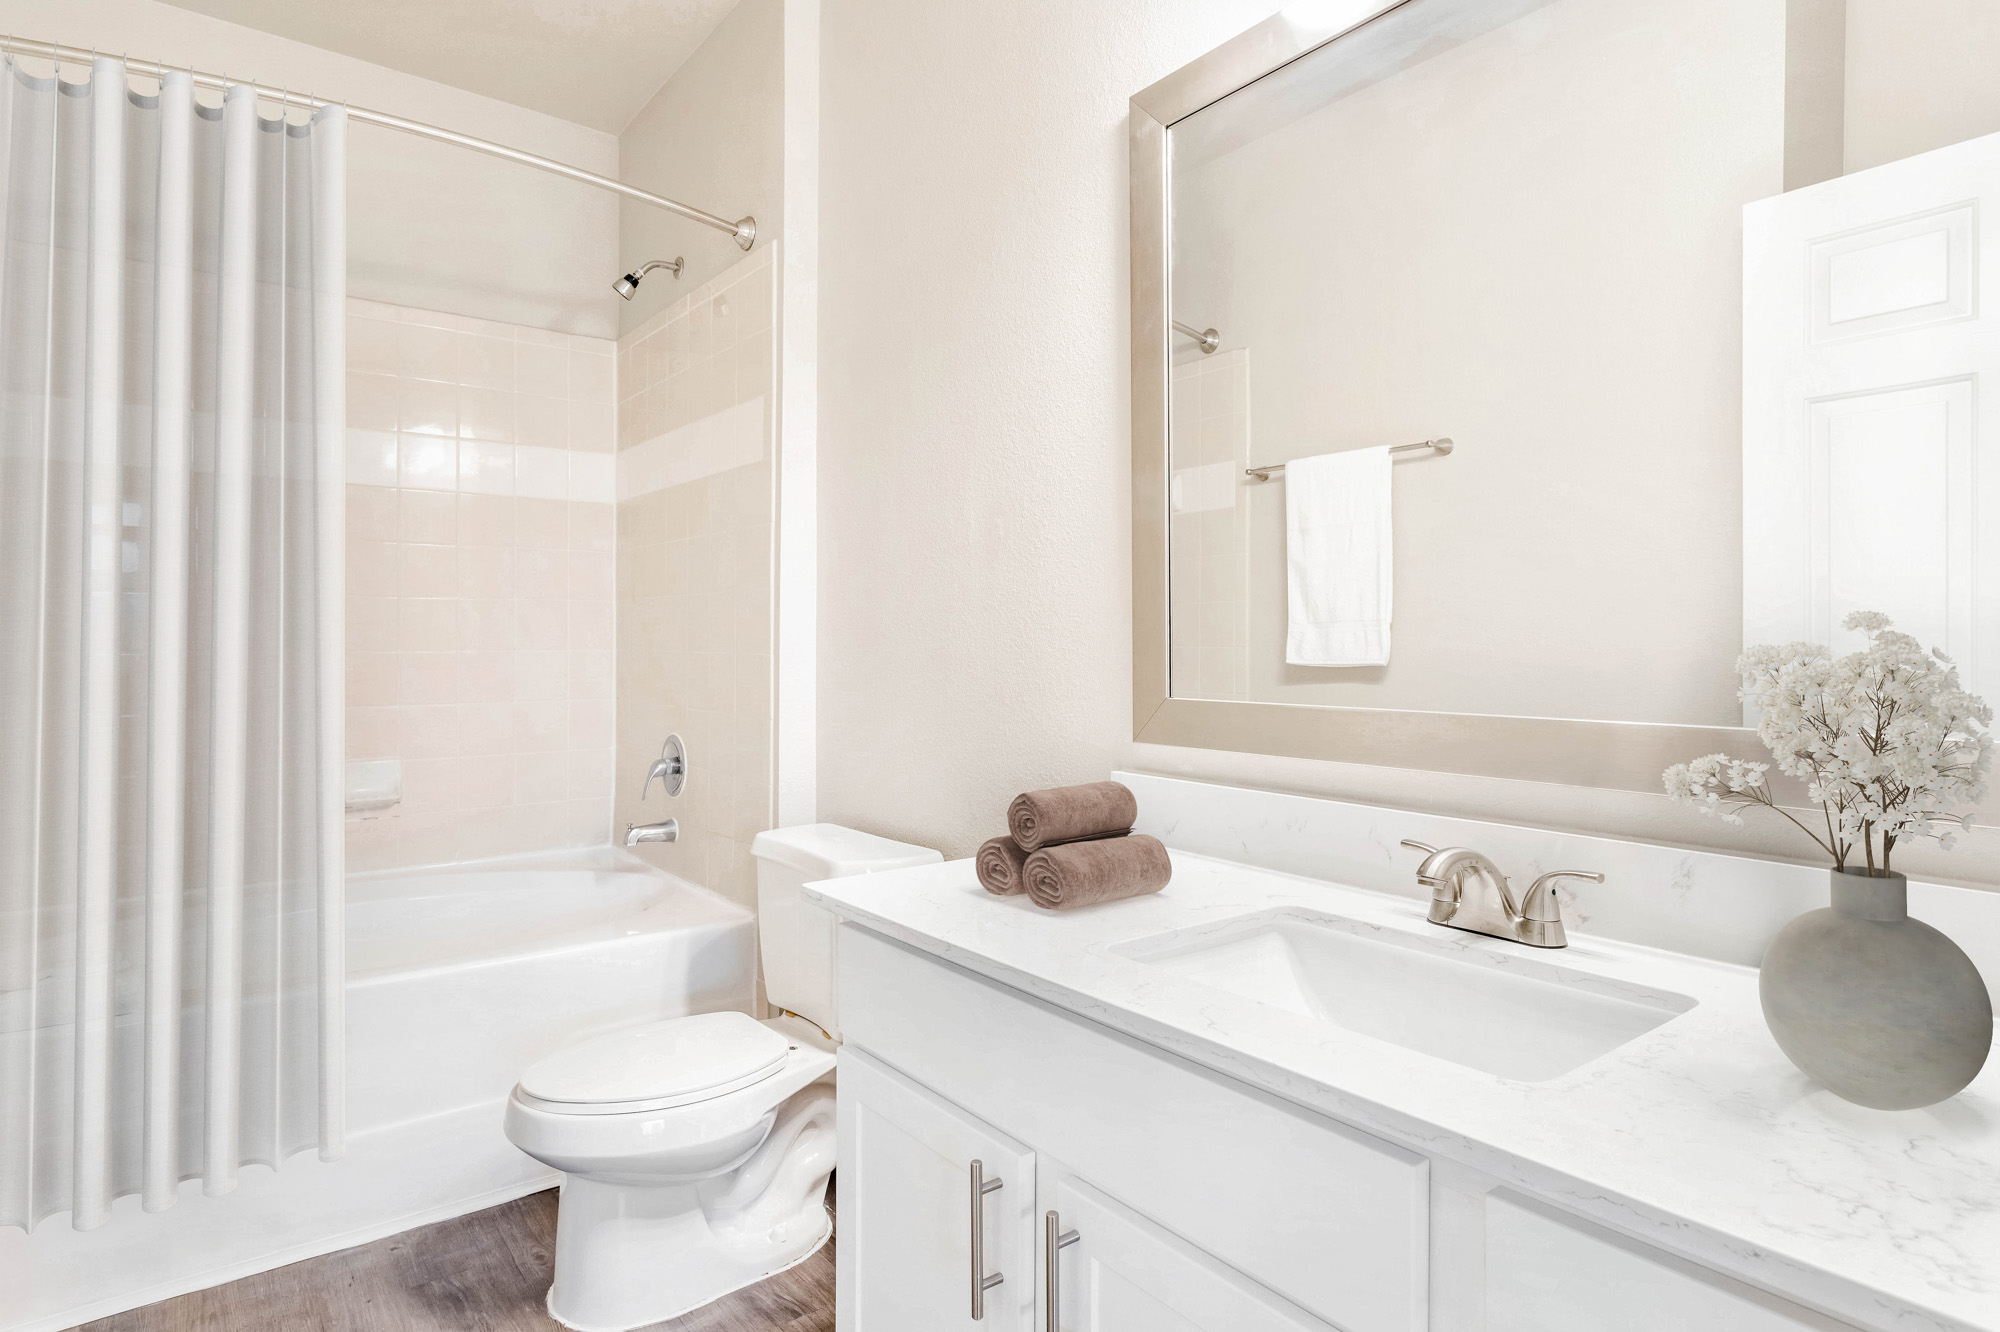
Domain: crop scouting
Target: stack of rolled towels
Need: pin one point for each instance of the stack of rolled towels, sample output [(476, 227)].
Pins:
[(1072, 846)]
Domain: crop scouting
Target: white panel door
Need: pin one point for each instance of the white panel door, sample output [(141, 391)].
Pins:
[(1871, 352), (1123, 1273), (1550, 1273), (907, 1242)]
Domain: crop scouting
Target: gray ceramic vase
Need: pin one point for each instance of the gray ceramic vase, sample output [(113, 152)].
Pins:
[(1878, 1008)]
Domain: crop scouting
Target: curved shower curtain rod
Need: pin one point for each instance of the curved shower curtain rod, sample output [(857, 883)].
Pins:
[(743, 229)]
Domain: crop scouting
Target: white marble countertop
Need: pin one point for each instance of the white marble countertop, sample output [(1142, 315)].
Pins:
[(1699, 1135)]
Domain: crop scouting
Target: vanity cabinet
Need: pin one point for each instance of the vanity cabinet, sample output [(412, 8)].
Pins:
[(1201, 1203), (1318, 1215), (908, 1237)]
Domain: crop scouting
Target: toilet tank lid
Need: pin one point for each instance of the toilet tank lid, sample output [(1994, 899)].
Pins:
[(829, 851)]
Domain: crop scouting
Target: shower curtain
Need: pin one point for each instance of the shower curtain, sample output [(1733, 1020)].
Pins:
[(171, 512)]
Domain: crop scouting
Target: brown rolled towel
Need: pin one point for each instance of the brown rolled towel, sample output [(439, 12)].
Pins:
[(1078, 874), (1071, 813), (999, 866)]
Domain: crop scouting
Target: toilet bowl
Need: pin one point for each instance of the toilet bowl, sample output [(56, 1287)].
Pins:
[(695, 1151)]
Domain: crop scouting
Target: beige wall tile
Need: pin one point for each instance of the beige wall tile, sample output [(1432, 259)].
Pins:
[(371, 346), (592, 526), (427, 407), (371, 568), (463, 630), (372, 679), (486, 362), (428, 462), (429, 624), (425, 352), (541, 369), (427, 516), (427, 570), (371, 401), (538, 572), (541, 421), (485, 622), (371, 624), (487, 414), (371, 513), (485, 520), (542, 623)]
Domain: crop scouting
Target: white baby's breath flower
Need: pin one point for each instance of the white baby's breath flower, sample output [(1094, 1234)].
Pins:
[(1886, 740)]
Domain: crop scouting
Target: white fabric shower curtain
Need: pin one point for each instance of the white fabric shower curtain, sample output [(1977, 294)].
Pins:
[(172, 284)]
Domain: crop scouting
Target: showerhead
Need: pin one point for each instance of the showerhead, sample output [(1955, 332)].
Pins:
[(628, 284)]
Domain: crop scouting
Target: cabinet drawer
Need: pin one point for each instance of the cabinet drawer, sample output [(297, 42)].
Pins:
[(1548, 1272), (1329, 1217)]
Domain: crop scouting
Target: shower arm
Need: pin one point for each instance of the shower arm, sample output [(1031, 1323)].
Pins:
[(743, 229)]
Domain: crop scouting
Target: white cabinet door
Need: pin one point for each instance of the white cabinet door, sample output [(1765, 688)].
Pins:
[(1871, 411), (907, 1225), (1550, 1273), (1125, 1274)]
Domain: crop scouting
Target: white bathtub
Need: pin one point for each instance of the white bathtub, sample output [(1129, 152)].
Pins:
[(458, 978)]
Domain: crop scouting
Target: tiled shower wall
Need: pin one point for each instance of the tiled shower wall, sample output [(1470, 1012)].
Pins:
[(479, 584), (695, 500)]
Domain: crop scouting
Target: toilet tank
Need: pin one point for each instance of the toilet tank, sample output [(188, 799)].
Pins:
[(796, 937)]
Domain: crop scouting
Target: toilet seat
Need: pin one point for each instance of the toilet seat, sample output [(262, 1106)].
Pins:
[(658, 1066)]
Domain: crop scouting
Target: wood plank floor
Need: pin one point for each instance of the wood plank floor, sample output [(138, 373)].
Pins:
[(486, 1272)]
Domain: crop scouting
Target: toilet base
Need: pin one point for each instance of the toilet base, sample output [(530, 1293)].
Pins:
[(550, 1301), (632, 1254)]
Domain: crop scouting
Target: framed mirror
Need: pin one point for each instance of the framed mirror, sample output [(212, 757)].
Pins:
[(1441, 451)]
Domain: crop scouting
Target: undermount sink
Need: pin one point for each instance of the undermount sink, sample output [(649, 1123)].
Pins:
[(1510, 1014)]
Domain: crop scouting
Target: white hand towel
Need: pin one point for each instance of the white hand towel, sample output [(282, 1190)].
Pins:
[(1337, 558)]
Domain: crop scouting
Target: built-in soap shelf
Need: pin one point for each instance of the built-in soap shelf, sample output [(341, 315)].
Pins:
[(374, 785)]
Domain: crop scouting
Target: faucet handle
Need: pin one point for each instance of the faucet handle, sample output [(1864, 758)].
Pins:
[(1420, 846), (670, 768), (1541, 903)]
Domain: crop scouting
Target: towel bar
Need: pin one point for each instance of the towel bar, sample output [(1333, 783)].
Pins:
[(1438, 447)]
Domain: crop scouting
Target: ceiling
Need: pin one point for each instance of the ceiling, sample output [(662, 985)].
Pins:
[(594, 62)]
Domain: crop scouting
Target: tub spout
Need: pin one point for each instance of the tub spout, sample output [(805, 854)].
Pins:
[(666, 830)]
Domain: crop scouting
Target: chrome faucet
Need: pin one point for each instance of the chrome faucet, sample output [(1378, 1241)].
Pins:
[(1468, 892), (666, 830), (670, 771)]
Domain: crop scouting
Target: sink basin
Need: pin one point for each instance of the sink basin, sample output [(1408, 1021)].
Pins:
[(1512, 1014)]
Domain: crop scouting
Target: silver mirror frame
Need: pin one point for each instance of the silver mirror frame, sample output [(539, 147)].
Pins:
[(1618, 755)]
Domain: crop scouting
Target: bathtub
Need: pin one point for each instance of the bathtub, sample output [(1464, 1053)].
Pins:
[(458, 977)]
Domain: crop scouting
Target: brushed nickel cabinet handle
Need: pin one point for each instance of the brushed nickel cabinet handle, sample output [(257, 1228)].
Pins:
[(1054, 1240), (981, 1283)]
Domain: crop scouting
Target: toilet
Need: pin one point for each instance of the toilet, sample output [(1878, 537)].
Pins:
[(695, 1151)]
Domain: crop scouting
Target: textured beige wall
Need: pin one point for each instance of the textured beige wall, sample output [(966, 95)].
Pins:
[(975, 544), (974, 616), (1920, 75)]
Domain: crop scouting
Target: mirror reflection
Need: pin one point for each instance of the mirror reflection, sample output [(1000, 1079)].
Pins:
[(1489, 281)]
